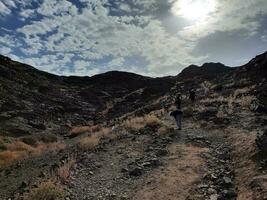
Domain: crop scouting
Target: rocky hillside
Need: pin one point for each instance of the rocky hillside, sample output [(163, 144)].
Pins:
[(32, 100), (110, 136)]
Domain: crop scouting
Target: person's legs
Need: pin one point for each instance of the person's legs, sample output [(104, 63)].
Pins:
[(178, 119)]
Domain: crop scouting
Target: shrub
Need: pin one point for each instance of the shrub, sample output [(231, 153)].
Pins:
[(2, 147), (89, 143), (163, 130), (77, 130), (46, 191), (30, 140), (7, 157), (137, 123), (18, 150), (64, 170), (48, 138)]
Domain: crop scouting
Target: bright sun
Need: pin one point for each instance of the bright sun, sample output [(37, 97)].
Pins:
[(196, 10)]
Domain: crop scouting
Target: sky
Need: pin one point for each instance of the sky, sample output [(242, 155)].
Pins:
[(149, 37)]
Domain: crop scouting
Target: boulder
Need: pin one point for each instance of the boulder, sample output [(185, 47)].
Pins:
[(261, 142), (137, 171)]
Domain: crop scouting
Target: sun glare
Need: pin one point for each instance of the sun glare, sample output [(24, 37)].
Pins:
[(193, 9)]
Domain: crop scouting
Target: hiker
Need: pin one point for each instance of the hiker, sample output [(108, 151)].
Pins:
[(192, 95), (178, 101), (177, 114)]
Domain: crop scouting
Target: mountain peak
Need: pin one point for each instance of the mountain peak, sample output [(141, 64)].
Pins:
[(206, 70)]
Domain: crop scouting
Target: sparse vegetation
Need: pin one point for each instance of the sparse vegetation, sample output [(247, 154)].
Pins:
[(137, 123), (48, 190), (64, 170), (18, 150), (90, 142), (77, 130), (163, 130)]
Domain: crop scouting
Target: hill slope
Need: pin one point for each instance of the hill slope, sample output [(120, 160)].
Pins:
[(110, 136)]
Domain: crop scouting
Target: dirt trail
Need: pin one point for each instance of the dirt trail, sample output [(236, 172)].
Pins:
[(188, 164), (183, 170)]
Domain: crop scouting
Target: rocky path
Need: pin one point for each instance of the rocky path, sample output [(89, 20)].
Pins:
[(189, 164)]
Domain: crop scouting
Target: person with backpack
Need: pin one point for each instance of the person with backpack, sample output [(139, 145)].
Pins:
[(178, 113), (192, 95)]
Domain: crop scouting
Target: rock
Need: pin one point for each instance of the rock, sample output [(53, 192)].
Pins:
[(227, 181), (124, 197), (214, 197), (261, 141), (154, 162), (137, 171), (212, 191), (37, 125), (146, 164), (229, 193), (16, 127), (124, 170), (258, 181), (162, 152), (202, 186)]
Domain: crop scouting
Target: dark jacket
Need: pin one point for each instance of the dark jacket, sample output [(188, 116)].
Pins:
[(176, 112)]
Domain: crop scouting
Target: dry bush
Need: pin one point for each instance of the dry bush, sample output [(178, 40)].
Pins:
[(77, 130), (103, 132), (221, 112), (89, 143), (64, 170), (163, 130), (48, 190), (19, 146), (206, 85), (137, 123), (244, 90), (238, 97), (7, 157), (219, 99), (18, 150), (246, 101)]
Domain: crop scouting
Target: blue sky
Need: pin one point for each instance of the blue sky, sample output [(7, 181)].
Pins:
[(150, 37)]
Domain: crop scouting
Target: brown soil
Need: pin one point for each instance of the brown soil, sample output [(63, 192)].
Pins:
[(184, 169)]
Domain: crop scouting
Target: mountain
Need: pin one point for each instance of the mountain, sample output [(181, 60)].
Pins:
[(207, 70), (107, 136), (31, 99)]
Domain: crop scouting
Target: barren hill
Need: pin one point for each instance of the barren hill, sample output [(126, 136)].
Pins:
[(110, 136)]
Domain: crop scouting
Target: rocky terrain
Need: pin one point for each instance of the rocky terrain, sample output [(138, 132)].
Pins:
[(110, 136)]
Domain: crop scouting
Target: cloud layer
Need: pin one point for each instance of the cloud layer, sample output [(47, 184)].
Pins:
[(85, 37)]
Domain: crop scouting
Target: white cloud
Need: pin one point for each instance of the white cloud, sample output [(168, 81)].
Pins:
[(4, 10), (5, 50), (87, 38), (264, 38), (229, 16)]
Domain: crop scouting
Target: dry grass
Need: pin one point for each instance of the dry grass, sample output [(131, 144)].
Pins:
[(219, 99), (77, 130), (137, 123), (18, 150), (89, 143), (176, 179), (48, 190), (221, 112), (64, 170), (163, 130), (244, 149), (246, 101), (242, 91)]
